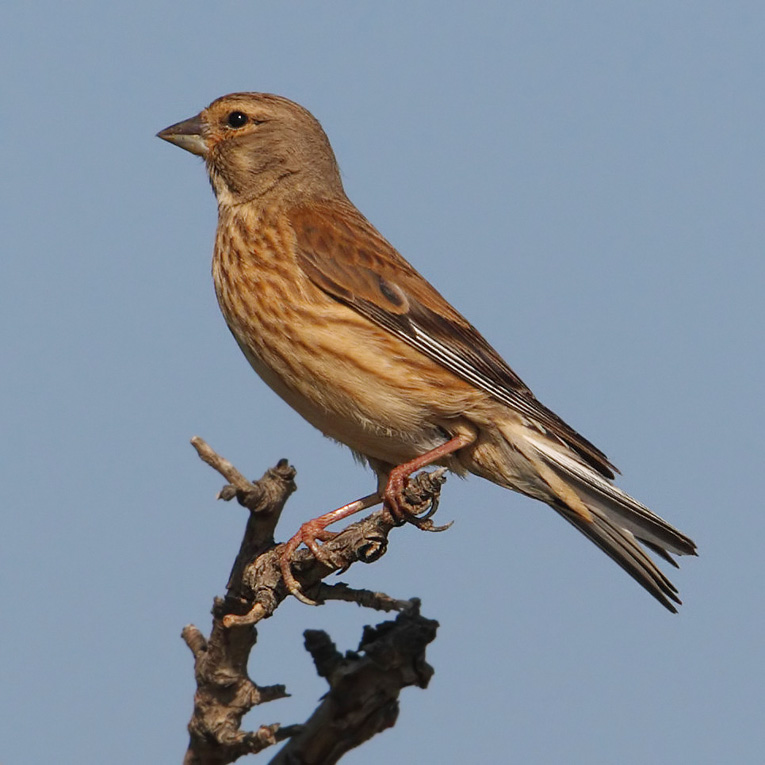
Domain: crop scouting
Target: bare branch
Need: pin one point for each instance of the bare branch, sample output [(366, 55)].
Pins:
[(393, 652), (364, 687), (366, 598)]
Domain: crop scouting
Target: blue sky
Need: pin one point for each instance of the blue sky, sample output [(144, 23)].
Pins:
[(583, 181)]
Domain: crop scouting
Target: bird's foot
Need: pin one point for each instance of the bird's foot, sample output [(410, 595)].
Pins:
[(309, 534), (415, 500), (313, 532)]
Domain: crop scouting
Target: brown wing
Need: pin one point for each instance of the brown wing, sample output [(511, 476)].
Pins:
[(345, 256)]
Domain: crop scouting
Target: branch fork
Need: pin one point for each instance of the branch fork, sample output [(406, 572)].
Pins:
[(364, 685)]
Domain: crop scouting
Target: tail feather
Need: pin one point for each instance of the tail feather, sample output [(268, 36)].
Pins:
[(600, 494), (620, 545), (661, 552), (606, 515)]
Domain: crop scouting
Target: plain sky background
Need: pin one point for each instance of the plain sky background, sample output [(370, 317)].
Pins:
[(583, 180)]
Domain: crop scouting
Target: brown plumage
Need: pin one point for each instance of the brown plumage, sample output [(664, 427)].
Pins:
[(359, 343)]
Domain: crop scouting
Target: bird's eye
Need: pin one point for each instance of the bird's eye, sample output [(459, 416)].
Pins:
[(237, 119)]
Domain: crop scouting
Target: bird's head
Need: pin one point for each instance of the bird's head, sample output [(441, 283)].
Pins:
[(259, 146)]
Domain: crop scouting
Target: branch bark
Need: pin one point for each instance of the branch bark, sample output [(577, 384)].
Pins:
[(364, 685)]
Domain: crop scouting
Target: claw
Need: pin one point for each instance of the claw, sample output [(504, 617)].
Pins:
[(307, 534), (415, 501), (417, 518), (408, 501), (310, 534), (290, 582), (430, 526)]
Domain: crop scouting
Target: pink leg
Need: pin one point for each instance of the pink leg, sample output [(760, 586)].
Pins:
[(393, 498), (310, 531)]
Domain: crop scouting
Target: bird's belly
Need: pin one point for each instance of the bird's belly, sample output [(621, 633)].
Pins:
[(394, 431), (354, 381), (357, 384)]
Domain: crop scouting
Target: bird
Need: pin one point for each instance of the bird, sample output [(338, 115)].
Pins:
[(358, 342)]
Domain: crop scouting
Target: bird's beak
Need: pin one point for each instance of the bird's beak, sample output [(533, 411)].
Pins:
[(187, 135)]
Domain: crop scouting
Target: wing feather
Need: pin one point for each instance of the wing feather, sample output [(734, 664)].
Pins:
[(345, 256)]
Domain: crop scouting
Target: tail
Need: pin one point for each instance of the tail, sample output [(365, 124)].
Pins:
[(605, 514)]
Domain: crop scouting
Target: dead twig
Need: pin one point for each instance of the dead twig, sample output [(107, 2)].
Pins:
[(364, 686)]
